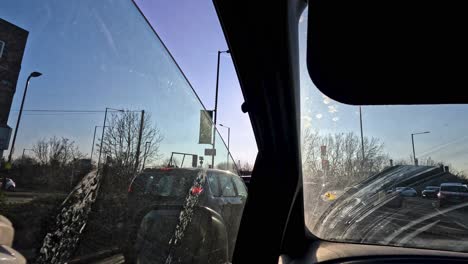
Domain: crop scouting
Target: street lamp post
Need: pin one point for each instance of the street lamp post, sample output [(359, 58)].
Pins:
[(362, 134), (144, 155), (94, 138), (102, 135), (412, 142), (140, 135), (229, 139), (22, 157), (32, 75), (216, 104)]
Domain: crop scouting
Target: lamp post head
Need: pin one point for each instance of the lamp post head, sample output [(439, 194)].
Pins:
[(35, 74), (419, 133), (113, 109)]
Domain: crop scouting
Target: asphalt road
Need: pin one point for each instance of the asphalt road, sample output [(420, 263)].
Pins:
[(22, 196), (26, 196)]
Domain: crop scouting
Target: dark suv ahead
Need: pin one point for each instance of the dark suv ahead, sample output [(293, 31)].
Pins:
[(452, 193), (430, 192), (194, 213)]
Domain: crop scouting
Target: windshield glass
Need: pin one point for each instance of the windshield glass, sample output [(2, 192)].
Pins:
[(365, 167), (452, 188), (164, 183), (91, 99)]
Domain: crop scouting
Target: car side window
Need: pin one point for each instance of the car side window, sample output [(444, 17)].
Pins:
[(148, 184), (227, 187), (241, 191), (214, 185)]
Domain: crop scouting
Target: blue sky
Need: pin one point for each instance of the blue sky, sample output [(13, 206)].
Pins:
[(192, 33), (97, 55)]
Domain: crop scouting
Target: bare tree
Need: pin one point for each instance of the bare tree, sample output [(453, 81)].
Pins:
[(120, 141), (246, 167), (225, 166), (337, 158), (41, 151), (56, 151)]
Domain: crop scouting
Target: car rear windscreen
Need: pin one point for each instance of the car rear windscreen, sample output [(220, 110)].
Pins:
[(453, 189), (173, 183)]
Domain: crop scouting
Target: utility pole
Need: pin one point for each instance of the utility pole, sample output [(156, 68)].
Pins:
[(102, 135), (228, 150), (92, 146), (216, 106), (146, 154), (137, 159), (362, 135), (102, 139), (412, 142)]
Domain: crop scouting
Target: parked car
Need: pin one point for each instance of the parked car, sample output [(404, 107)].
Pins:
[(404, 191), (10, 184), (208, 203), (430, 192), (452, 193), (246, 179)]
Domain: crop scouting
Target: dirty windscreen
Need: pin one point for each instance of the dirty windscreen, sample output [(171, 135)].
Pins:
[(163, 183), (365, 169), (90, 98)]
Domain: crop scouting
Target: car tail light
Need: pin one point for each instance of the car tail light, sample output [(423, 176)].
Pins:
[(196, 190), (129, 189), (166, 169)]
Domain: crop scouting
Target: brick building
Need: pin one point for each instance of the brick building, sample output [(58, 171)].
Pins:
[(12, 44)]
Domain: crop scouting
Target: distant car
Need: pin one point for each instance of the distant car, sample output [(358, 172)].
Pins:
[(246, 179), (452, 193), (430, 192), (398, 194), (406, 191), (10, 184), (156, 199)]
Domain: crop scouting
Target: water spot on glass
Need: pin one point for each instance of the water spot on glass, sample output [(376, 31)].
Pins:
[(332, 109)]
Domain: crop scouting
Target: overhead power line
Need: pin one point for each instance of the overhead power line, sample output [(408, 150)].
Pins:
[(65, 111)]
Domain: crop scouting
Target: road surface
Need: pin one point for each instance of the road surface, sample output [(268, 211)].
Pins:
[(25, 196)]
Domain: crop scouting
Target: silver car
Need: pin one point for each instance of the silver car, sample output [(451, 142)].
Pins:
[(10, 185), (406, 191)]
